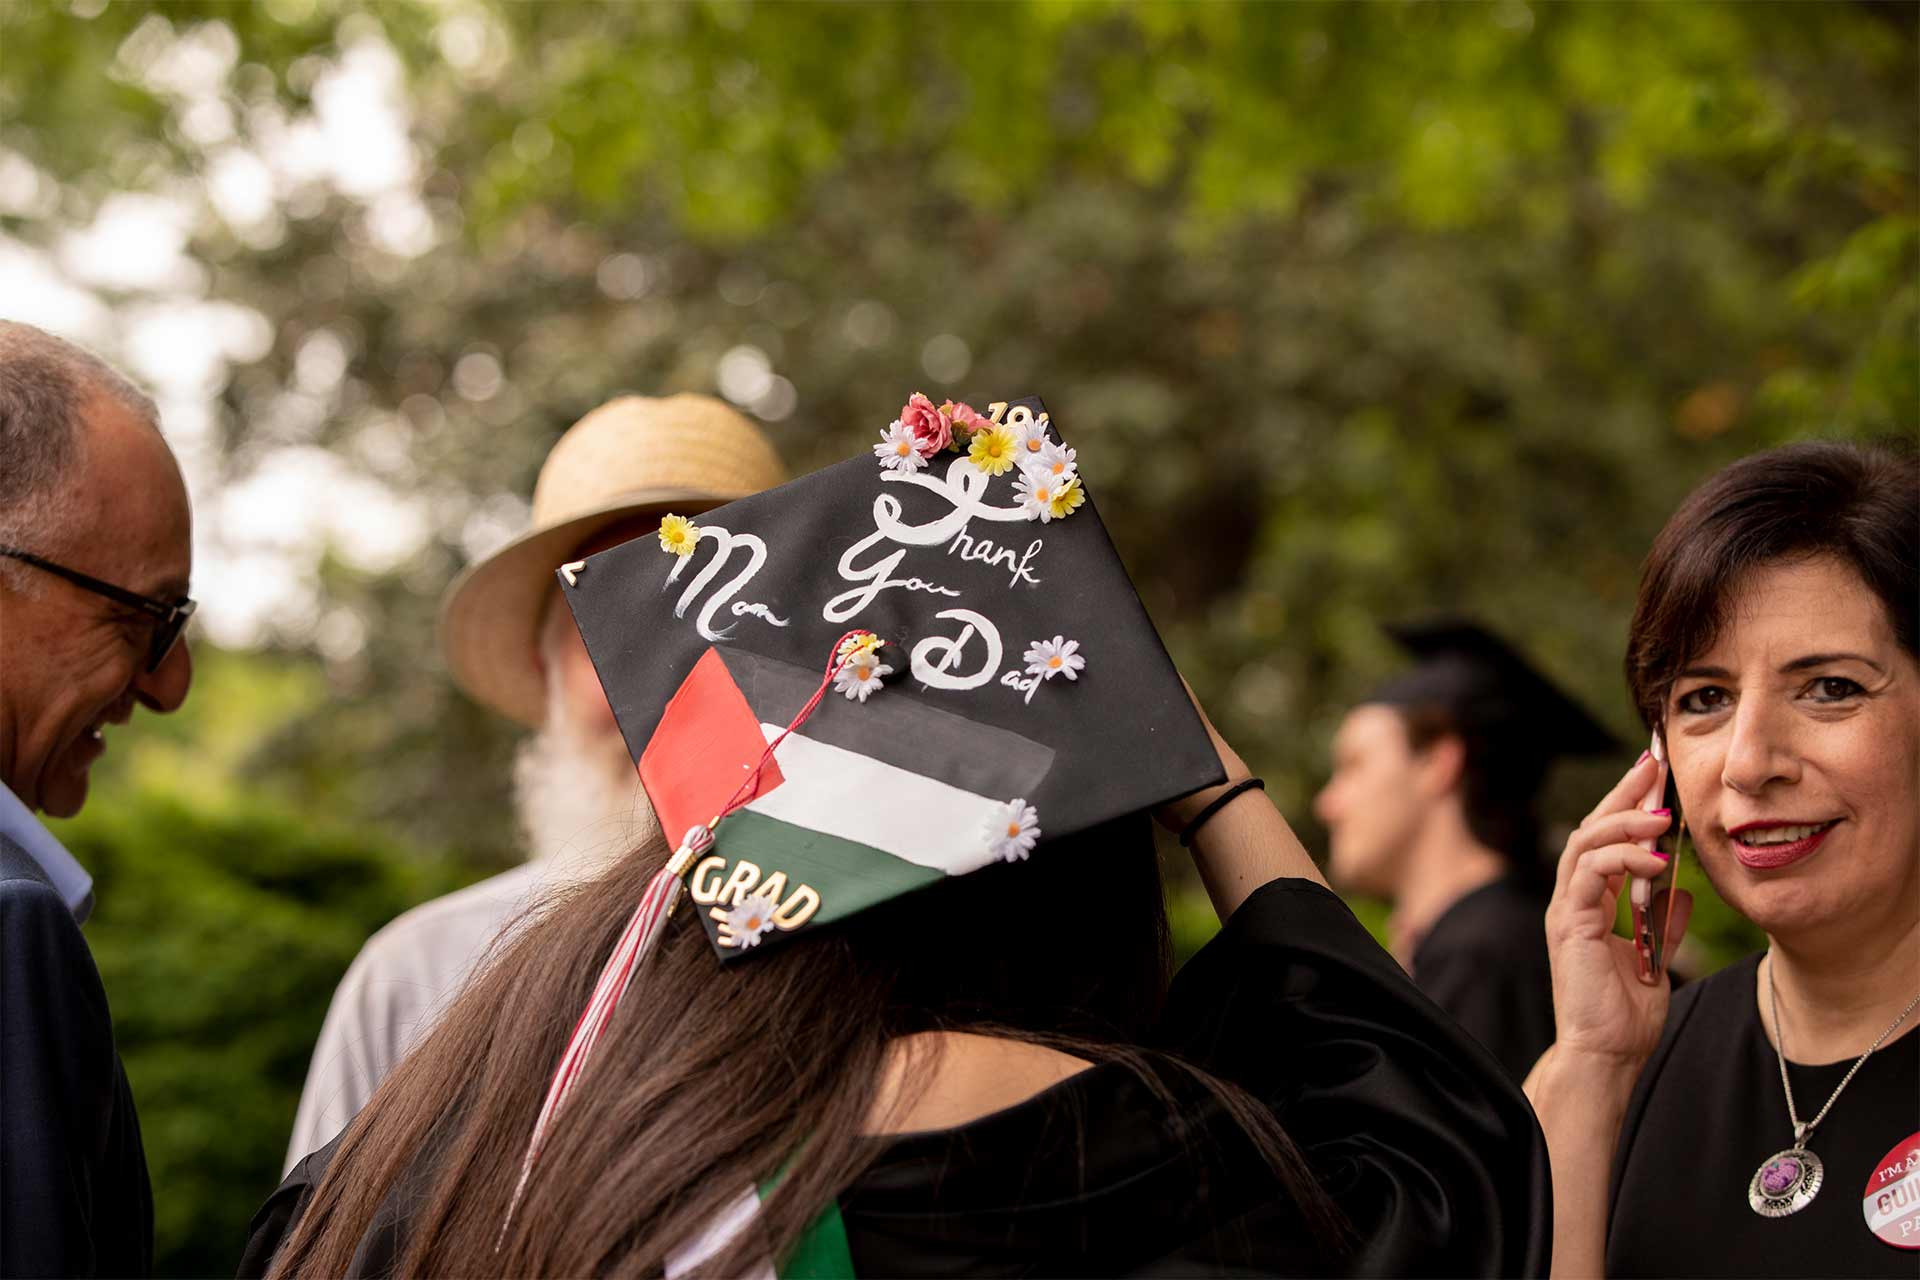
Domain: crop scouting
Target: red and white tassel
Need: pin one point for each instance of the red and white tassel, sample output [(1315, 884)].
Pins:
[(643, 930), (640, 936)]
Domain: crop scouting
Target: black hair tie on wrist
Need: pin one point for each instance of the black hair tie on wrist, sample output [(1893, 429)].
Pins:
[(1220, 802)]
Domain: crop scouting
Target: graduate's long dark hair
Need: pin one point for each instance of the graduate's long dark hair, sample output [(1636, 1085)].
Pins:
[(711, 1080)]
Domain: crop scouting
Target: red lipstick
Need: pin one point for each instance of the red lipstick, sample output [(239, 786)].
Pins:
[(1773, 855)]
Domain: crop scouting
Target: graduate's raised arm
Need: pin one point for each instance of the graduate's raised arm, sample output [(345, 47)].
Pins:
[(1244, 843)]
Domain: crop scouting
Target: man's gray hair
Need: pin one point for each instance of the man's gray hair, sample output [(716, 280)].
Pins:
[(45, 386)]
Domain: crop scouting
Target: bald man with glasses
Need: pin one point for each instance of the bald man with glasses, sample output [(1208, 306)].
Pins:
[(95, 551)]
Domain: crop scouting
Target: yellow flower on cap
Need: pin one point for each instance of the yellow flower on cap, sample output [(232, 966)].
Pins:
[(1067, 499), (993, 451), (859, 645), (678, 534)]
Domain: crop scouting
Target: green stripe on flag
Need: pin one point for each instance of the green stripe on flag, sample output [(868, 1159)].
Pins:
[(821, 1253), (848, 876)]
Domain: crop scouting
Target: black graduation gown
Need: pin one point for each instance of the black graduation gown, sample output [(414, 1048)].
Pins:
[(1709, 1109), (1485, 962), (74, 1197), (1431, 1154)]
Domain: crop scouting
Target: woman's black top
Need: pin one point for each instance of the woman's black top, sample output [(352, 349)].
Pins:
[(1709, 1110), (1485, 962), (1412, 1130)]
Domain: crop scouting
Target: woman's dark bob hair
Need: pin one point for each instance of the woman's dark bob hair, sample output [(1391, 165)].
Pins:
[(1857, 503)]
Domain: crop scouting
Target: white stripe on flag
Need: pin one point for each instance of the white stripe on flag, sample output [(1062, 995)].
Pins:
[(717, 1235), (856, 797)]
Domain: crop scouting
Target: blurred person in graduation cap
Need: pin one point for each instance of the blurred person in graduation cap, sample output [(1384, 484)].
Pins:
[(891, 995), (1433, 805), (609, 478)]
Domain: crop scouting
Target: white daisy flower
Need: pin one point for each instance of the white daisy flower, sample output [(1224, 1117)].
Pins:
[(1054, 461), (1029, 440), (896, 451), (1035, 493), (861, 676), (1056, 657), (750, 920), (1014, 830)]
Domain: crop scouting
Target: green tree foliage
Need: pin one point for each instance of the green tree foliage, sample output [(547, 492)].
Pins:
[(1354, 311), (220, 936)]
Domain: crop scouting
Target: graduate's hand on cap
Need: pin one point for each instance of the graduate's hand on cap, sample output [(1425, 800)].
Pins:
[(1600, 1005)]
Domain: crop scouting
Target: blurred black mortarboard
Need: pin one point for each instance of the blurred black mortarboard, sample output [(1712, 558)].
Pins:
[(1490, 691), (1021, 693)]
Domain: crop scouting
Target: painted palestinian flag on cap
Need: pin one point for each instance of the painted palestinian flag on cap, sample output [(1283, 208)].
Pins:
[(1020, 693), (834, 824)]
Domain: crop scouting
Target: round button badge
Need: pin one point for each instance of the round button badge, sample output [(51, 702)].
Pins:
[(1892, 1199)]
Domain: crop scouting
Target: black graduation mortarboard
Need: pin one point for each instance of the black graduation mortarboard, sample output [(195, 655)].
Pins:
[(905, 667), (1020, 694), (1490, 690)]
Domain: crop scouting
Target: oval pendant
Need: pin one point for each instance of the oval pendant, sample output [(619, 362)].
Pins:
[(1786, 1183)]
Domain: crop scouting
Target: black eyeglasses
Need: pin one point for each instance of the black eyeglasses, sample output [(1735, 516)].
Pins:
[(169, 620)]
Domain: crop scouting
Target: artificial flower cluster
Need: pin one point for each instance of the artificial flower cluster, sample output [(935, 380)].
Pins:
[(860, 672), (1048, 486), (923, 430)]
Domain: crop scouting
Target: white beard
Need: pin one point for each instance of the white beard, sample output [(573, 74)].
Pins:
[(579, 799)]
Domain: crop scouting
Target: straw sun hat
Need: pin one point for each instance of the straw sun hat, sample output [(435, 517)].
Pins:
[(635, 456)]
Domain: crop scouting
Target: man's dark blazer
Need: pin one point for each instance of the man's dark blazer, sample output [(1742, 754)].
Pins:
[(74, 1198)]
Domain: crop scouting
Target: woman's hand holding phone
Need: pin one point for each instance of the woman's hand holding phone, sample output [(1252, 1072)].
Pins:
[(1607, 1021), (1601, 1005)]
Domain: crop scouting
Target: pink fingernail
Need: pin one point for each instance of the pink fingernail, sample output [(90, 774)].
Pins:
[(1663, 813), (1644, 757), (1661, 854)]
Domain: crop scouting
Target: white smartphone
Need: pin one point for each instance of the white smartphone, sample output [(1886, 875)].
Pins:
[(1651, 943)]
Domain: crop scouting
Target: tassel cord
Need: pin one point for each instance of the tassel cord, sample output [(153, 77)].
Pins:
[(641, 934)]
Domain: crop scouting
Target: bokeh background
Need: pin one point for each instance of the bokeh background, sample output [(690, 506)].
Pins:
[(1356, 312)]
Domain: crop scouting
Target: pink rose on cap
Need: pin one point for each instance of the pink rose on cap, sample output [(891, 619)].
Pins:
[(931, 431), (965, 419)]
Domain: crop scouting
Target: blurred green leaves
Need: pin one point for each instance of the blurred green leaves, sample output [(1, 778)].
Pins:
[(222, 923)]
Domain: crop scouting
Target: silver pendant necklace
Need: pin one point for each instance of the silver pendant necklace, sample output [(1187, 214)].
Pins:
[(1789, 1180)]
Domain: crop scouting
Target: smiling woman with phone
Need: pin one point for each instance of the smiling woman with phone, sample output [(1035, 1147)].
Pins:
[(1765, 1121)]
